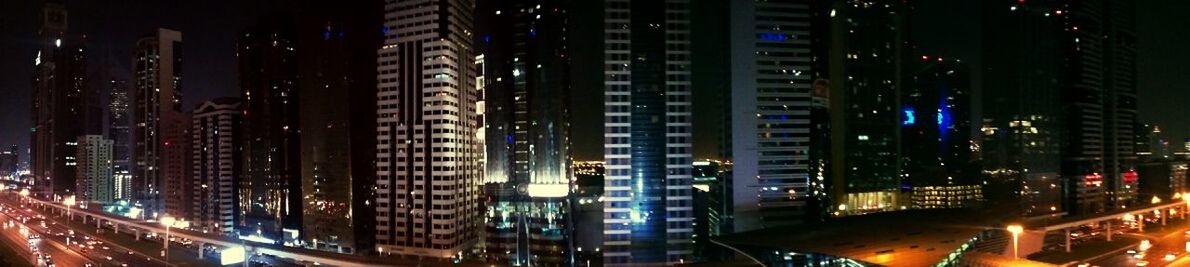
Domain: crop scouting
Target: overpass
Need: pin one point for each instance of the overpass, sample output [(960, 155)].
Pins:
[(204, 239), (1177, 207)]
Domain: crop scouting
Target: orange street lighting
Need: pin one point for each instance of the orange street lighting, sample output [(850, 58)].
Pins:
[(1016, 230)]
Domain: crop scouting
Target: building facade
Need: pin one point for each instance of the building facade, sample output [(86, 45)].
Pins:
[(216, 166), (937, 164), (9, 161), (863, 45), (119, 119), (271, 175), (59, 102), (648, 216), (337, 83), (95, 183), (525, 80), (772, 80), (427, 159), (176, 168), (157, 94), (1071, 115)]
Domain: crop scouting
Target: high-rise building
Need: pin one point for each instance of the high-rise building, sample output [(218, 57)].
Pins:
[(648, 218), (95, 183), (216, 165), (937, 166), (176, 160), (59, 101), (337, 83), (1072, 113), (157, 94), (1022, 115), (119, 114), (711, 205), (863, 45), (8, 163), (428, 171), (1119, 101), (588, 210), (771, 83), (525, 80), (271, 190)]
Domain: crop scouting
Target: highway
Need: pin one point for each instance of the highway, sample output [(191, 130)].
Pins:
[(89, 248), (1173, 243), (82, 249)]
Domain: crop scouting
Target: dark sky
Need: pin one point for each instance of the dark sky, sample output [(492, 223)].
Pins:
[(112, 27), (943, 27)]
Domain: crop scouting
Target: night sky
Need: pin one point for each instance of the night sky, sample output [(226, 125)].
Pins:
[(943, 27)]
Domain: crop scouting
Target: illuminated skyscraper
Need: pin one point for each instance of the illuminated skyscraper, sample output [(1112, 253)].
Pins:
[(772, 76), (58, 103), (648, 206), (216, 166), (270, 187), (936, 134), (428, 159), (525, 75), (94, 181), (863, 57), (119, 114), (8, 163), (157, 74)]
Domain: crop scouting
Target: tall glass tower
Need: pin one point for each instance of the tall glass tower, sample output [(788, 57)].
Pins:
[(647, 152), (59, 98), (525, 71), (157, 93)]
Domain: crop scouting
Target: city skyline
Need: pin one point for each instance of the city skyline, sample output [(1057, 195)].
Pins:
[(599, 132), (215, 47)]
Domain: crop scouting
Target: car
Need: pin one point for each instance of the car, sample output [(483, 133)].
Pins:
[(1170, 257), (1131, 251), (129, 252), (109, 258), (1138, 255), (1142, 263)]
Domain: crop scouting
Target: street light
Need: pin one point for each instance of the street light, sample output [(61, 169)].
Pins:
[(25, 195), (1016, 230), (170, 221), (69, 201)]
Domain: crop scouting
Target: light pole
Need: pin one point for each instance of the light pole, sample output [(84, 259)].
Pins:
[(25, 195), (69, 201), (170, 221), (1016, 230)]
